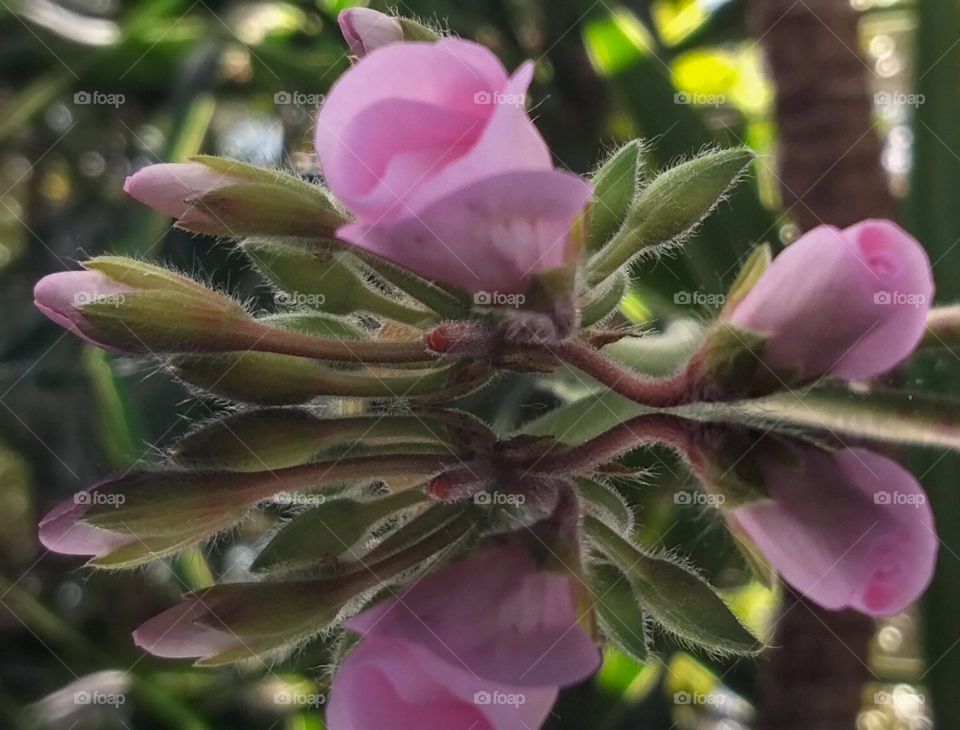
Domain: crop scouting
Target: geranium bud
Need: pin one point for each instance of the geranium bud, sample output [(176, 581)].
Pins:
[(365, 30), (227, 198), (61, 298), (430, 146), (130, 306), (851, 303), (166, 187), (848, 529)]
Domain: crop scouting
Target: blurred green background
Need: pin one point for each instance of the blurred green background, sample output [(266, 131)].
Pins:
[(853, 107)]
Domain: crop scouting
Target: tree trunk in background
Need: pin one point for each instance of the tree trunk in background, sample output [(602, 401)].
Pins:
[(830, 172), (829, 152)]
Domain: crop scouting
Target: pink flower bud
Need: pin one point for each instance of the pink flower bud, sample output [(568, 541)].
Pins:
[(430, 146), (848, 529), (181, 633), (167, 187), (366, 30), (61, 297), (458, 642), (850, 303), (63, 530)]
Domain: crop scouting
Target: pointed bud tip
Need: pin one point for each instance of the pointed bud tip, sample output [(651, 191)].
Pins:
[(365, 30)]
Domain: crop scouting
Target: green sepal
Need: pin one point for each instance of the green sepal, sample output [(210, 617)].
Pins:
[(320, 205), (676, 597), (260, 209), (149, 321), (273, 438), (416, 31), (670, 208), (607, 501), (604, 300), (619, 614), (615, 185), (331, 532), (729, 364), (327, 278)]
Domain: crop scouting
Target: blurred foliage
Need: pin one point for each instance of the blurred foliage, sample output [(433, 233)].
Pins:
[(93, 89)]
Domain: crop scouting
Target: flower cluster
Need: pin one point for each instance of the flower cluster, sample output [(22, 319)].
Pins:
[(471, 574)]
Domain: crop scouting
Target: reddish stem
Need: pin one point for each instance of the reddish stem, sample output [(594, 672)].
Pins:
[(620, 379)]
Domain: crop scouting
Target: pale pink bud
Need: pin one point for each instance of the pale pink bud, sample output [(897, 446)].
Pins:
[(62, 296), (848, 529), (187, 630), (850, 303), (430, 146), (366, 30), (63, 530), (169, 187)]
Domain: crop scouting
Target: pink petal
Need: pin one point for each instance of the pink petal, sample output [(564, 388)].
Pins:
[(903, 288), (178, 634), (850, 529), (438, 83), (63, 531), (167, 186), (491, 236), (510, 142), (818, 302), (60, 296), (389, 683), (494, 615)]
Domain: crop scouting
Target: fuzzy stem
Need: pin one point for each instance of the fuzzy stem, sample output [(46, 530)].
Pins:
[(649, 428), (647, 391)]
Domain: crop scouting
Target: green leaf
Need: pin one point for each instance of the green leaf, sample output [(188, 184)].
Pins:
[(619, 613), (675, 597)]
